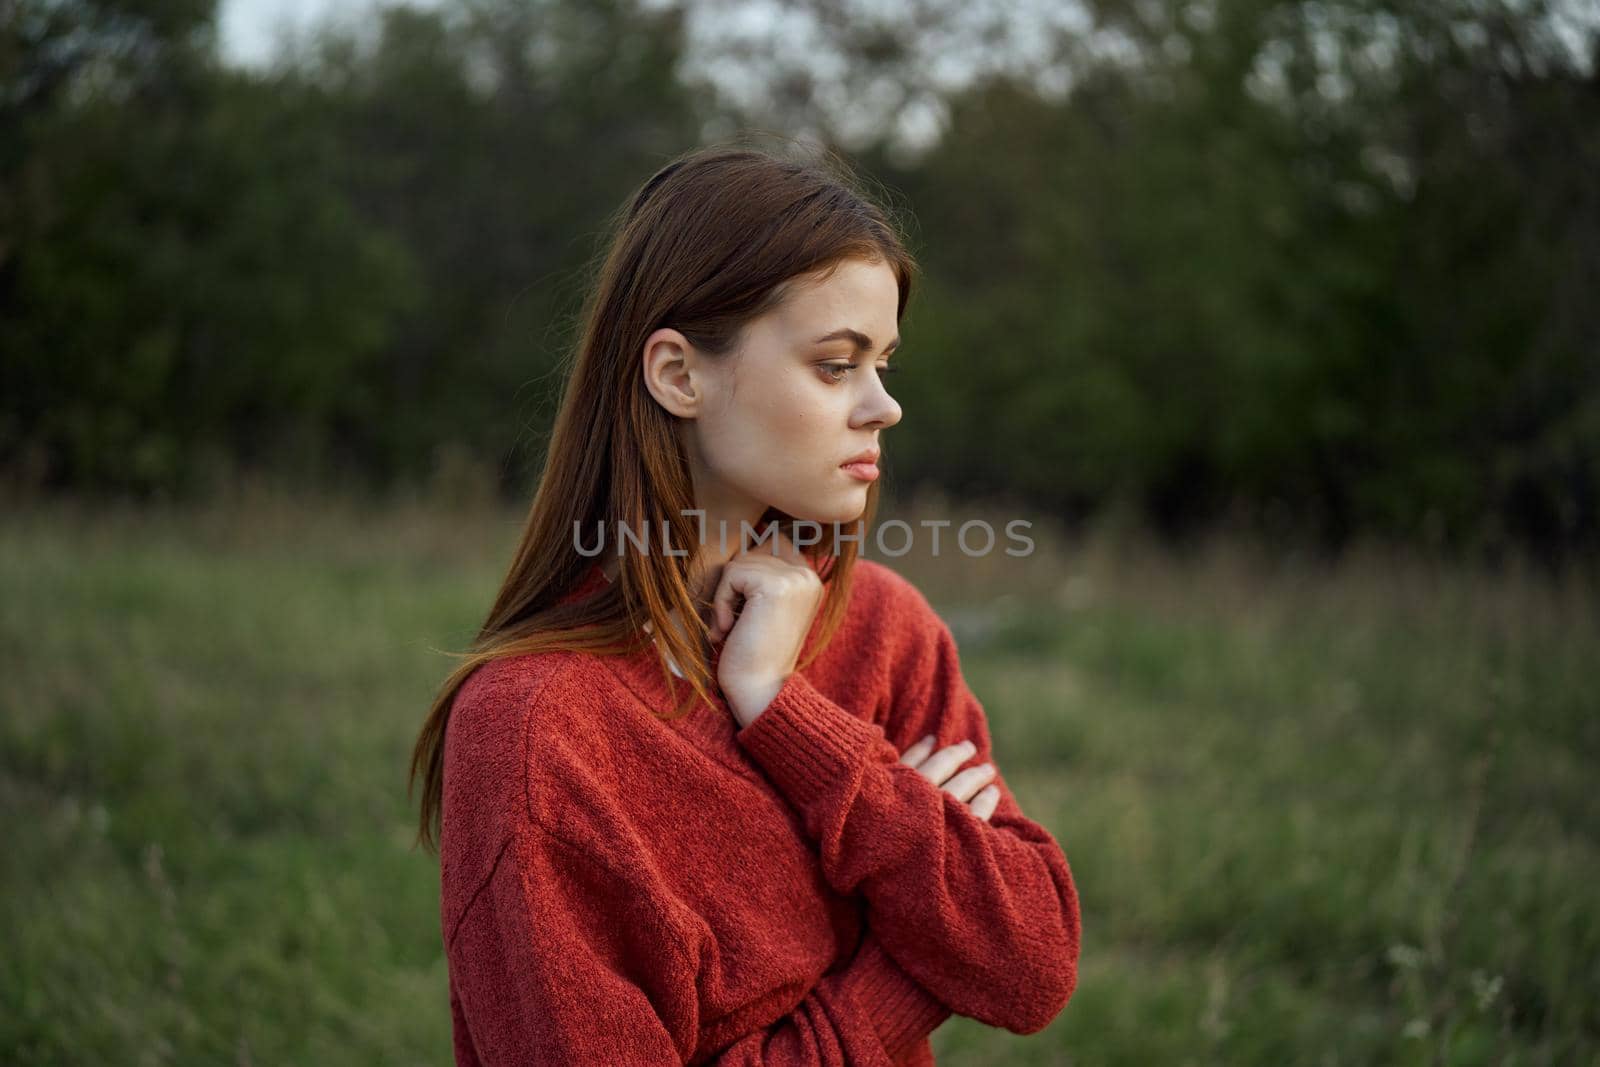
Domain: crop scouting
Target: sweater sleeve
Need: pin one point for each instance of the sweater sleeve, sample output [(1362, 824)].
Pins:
[(984, 914), (558, 959)]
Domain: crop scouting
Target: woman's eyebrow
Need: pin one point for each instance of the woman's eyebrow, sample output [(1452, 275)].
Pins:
[(860, 340)]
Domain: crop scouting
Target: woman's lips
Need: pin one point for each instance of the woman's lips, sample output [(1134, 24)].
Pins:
[(865, 471)]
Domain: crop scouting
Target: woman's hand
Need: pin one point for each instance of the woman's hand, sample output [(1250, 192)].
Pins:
[(761, 640), (966, 786)]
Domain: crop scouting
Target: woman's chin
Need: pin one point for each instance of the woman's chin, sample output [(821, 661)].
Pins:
[(826, 509), (847, 508)]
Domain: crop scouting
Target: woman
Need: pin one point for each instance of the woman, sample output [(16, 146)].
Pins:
[(779, 859)]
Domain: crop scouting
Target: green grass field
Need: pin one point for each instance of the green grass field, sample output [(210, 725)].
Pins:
[(1316, 816)]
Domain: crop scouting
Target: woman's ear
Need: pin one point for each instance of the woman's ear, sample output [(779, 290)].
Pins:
[(671, 365)]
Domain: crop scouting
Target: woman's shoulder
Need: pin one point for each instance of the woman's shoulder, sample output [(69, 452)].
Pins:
[(886, 599), (889, 631), (548, 691), (502, 690)]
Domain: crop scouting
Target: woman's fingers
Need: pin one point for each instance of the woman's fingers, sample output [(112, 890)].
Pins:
[(970, 786), (918, 752), (943, 763), (969, 781), (984, 804), (750, 569), (723, 613)]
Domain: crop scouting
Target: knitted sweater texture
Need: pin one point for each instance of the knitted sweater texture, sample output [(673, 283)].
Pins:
[(618, 890)]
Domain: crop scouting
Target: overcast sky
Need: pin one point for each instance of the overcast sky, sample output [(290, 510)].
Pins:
[(251, 27)]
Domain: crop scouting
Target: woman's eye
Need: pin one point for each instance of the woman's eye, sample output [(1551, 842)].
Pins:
[(837, 372)]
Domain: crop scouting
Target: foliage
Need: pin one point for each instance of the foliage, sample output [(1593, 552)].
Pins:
[(1324, 269)]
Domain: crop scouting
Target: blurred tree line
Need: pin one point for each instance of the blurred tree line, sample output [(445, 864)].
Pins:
[(1324, 268)]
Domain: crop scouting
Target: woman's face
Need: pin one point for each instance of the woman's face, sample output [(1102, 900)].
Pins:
[(773, 423)]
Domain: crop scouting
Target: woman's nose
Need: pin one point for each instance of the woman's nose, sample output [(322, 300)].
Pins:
[(878, 406)]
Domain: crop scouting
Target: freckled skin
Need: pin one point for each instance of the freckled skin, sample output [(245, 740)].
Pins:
[(765, 426)]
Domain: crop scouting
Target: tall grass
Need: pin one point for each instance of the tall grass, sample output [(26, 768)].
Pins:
[(1318, 814)]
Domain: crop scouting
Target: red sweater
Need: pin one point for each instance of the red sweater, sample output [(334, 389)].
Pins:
[(619, 890)]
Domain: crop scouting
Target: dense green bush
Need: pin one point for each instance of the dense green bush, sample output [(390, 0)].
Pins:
[(1323, 269)]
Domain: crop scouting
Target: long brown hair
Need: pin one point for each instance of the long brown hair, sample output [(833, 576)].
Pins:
[(713, 240)]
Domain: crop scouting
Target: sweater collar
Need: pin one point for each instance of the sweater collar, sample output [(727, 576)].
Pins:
[(645, 672), (588, 583)]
